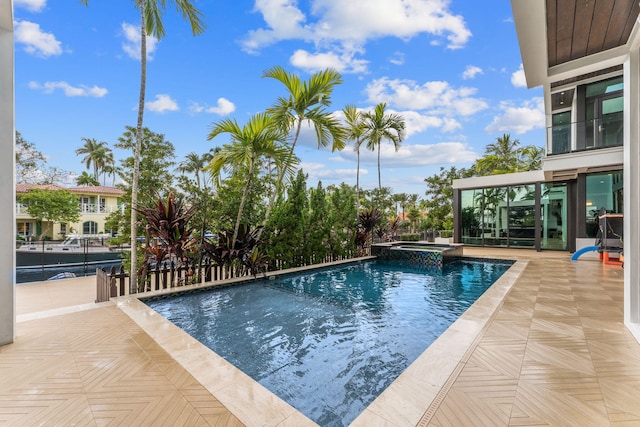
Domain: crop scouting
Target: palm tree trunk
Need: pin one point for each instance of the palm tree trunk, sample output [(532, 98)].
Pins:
[(358, 180), (379, 178), (136, 154), (243, 200)]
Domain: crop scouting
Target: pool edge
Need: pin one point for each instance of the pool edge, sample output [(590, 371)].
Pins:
[(410, 398)]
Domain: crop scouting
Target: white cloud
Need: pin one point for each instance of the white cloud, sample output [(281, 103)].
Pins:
[(31, 5), (162, 104), (320, 172), (131, 44), (437, 97), (471, 72), (36, 41), (347, 26), (69, 90), (518, 78), (312, 62), (223, 107), (412, 155), (397, 58), (519, 119)]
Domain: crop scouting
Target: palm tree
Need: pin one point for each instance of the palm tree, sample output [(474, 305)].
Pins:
[(151, 12), (380, 126), (96, 153), (355, 131), (195, 164), (305, 103), (256, 140), (86, 179)]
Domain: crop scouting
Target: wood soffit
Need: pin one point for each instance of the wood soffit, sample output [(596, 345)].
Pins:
[(578, 28)]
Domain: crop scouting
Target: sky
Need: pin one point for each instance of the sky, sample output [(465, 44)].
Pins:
[(451, 68)]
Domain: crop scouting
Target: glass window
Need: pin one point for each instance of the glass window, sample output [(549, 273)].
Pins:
[(561, 133), (471, 216), (495, 216), (603, 194), (522, 216), (89, 227), (553, 216)]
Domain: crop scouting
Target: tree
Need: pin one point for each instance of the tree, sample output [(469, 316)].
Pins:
[(356, 132), (95, 153), (151, 12), (195, 164), (86, 180), (257, 139), (306, 103), (29, 161), (381, 125), (51, 206), (439, 201)]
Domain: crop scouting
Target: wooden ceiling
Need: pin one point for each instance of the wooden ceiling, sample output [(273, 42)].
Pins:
[(578, 28)]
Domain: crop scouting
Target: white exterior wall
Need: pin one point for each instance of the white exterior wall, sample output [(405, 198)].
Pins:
[(632, 189), (7, 177)]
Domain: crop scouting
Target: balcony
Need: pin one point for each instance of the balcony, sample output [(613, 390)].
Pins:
[(93, 208), (588, 135)]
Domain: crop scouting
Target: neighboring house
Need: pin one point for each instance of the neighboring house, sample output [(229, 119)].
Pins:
[(586, 57), (95, 203)]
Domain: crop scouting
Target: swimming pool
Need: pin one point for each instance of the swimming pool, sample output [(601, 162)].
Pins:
[(329, 341)]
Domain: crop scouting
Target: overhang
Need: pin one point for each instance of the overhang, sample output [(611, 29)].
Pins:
[(564, 38)]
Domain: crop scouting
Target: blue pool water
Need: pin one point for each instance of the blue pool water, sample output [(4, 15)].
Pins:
[(330, 341)]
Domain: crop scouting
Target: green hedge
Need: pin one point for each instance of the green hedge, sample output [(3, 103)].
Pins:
[(446, 233), (410, 237)]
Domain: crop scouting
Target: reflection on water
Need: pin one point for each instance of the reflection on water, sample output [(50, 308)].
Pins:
[(329, 342)]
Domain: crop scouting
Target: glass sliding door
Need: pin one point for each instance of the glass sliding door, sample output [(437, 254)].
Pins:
[(522, 216), (553, 216)]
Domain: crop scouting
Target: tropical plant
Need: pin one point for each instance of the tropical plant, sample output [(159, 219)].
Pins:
[(85, 179), (195, 164), (239, 251), (95, 153), (367, 222), (151, 12), (259, 138), (168, 230), (381, 125), (356, 132), (306, 103)]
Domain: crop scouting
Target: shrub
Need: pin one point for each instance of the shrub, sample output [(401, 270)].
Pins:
[(410, 237), (446, 234)]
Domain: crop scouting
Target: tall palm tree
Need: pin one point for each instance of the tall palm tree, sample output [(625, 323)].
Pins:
[(96, 154), (86, 180), (256, 140), (151, 12), (306, 103), (108, 167), (194, 163), (381, 125), (355, 131)]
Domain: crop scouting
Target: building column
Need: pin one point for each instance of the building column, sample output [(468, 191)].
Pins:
[(632, 191), (7, 178)]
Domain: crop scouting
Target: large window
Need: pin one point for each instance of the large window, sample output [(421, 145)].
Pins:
[(553, 216), (603, 194), (603, 114), (499, 216), (89, 227)]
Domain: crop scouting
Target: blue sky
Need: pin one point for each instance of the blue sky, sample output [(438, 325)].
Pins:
[(451, 68)]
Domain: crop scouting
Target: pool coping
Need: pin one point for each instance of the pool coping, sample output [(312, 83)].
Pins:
[(412, 397)]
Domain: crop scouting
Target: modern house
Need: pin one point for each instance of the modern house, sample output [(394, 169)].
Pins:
[(95, 204), (585, 54)]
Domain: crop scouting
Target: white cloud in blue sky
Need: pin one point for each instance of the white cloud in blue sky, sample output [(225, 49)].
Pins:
[(35, 41), (31, 5)]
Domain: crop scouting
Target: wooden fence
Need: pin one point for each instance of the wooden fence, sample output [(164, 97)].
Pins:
[(115, 282)]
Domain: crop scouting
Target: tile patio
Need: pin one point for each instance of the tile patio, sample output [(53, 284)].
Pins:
[(555, 352)]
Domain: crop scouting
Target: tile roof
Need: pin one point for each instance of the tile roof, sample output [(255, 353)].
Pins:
[(97, 189)]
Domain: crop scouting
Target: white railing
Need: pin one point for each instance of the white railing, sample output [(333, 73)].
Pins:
[(92, 208)]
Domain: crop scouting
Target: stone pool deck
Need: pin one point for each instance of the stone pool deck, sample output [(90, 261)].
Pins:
[(548, 348)]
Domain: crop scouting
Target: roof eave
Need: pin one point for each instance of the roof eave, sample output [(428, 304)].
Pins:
[(531, 28)]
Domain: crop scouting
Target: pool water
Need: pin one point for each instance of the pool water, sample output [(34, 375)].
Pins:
[(329, 341)]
